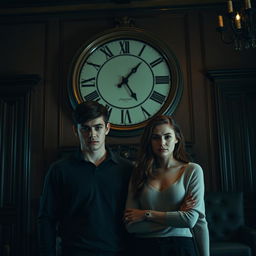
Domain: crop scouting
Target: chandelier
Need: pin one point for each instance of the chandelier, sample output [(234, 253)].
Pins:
[(238, 26)]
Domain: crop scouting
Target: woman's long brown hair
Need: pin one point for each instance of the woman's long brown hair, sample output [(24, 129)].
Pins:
[(145, 163)]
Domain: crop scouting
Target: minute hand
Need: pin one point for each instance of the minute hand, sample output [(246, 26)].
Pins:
[(133, 94), (125, 79)]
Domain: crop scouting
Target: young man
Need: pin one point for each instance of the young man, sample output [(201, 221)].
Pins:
[(84, 194)]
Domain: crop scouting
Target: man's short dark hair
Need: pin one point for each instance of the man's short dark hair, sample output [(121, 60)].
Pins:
[(89, 110)]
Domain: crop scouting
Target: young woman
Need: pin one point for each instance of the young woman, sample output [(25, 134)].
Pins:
[(166, 196)]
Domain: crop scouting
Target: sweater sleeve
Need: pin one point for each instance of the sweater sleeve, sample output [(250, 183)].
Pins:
[(194, 185), (140, 227), (201, 236), (47, 217)]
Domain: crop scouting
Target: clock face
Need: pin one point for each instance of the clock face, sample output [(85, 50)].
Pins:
[(129, 74)]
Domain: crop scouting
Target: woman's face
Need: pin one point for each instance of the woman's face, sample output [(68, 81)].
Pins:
[(163, 141)]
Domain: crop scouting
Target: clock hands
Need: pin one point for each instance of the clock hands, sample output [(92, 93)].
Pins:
[(133, 70), (133, 95), (125, 80)]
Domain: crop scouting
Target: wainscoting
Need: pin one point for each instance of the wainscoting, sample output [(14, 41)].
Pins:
[(235, 105)]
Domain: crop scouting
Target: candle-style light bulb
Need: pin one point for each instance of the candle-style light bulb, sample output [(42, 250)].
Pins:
[(247, 4), (220, 21), (230, 6), (238, 21)]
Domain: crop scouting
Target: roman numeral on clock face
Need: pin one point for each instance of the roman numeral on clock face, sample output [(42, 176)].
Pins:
[(125, 47), (145, 112), (142, 49), (156, 62), (157, 97), (107, 52), (96, 66), (109, 110), (88, 82), (162, 79), (92, 96), (125, 115)]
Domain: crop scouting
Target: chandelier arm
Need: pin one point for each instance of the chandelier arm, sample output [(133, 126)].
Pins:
[(240, 29), (222, 37)]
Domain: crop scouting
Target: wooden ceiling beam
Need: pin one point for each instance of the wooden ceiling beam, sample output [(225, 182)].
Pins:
[(58, 7)]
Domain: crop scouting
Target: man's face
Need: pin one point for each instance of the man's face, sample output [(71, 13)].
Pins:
[(92, 135)]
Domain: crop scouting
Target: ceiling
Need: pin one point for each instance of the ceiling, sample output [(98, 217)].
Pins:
[(153, 3), (53, 6)]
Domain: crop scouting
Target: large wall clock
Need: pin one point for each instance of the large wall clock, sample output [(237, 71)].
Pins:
[(133, 74)]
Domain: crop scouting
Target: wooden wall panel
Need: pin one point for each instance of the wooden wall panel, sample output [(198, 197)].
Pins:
[(235, 102), (22, 47), (15, 168)]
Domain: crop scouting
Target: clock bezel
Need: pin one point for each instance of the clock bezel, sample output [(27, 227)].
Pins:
[(132, 33)]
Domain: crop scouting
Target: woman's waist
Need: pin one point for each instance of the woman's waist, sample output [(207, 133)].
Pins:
[(166, 239), (166, 233)]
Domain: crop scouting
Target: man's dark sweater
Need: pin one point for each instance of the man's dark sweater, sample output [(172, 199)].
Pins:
[(88, 203)]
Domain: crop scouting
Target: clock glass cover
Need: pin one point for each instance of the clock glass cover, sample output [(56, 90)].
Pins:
[(129, 72)]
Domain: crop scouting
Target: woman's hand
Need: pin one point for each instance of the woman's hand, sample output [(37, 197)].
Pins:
[(134, 215), (188, 203)]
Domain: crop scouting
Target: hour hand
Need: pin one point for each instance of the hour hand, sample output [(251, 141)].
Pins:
[(125, 79), (134, 70)]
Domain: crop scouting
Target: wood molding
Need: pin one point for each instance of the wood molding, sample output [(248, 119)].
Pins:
[(47, 7), (231, 74)]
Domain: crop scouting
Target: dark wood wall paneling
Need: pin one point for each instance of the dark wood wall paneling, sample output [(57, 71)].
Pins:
[(15, 172), (235, 103), (45, 44)]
